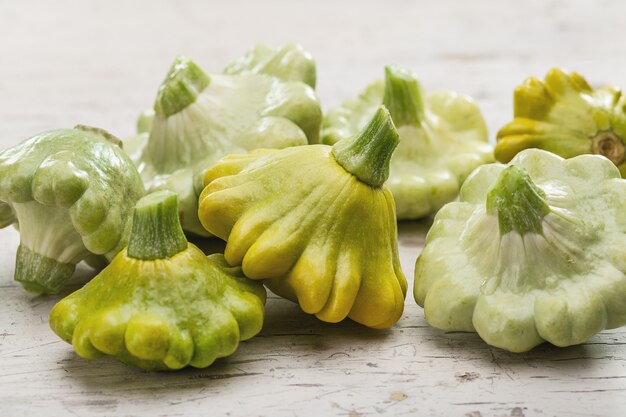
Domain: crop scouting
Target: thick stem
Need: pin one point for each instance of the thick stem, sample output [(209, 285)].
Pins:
[(39, 274), (403, 97), (49, 248), (182, 85), (367, 155), (519, 204), (609, 145), (156, 231)]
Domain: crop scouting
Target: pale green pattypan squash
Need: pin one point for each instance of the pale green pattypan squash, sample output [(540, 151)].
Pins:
[(199, 117), (532, 252), (161, 303), (443, 137), (289, 63), (564, 115), (316, 223), (71, 192)]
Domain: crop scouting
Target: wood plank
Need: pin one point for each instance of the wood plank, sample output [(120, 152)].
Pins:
[(63, 63)]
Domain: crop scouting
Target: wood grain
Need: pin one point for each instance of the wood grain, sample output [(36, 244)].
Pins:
[(99, 63)]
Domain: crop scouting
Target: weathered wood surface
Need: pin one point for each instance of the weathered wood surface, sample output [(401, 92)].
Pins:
[(63, 63)]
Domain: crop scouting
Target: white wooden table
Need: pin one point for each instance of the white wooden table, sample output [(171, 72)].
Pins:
[(63, 63)]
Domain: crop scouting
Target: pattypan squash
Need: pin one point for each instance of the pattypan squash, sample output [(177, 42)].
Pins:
[(161, 303), (289, 63), (71, 192), (564, 115), (198, 118), (443, 137), (316, 223), (532, 252)]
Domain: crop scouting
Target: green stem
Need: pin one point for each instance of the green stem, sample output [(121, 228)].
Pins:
[(182, 85), (519, 204), (50, 247), (367, 155), (403, 97), (156, 231), (39, 274)]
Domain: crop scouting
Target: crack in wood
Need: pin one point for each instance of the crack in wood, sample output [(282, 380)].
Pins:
[(224, 376)]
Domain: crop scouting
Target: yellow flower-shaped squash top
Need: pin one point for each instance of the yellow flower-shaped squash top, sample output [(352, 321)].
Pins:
[(315, 223), (564, 115), (443, 137), (533, 252), (161, 303)]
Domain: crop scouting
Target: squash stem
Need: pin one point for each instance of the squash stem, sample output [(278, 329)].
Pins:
[(403, 97), (368, 154), (182, 85), (519, 204), (156, 232), (609, 145), (40, 274)]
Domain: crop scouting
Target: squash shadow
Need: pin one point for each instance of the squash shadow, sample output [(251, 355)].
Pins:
[(289, 339), (479, 356)]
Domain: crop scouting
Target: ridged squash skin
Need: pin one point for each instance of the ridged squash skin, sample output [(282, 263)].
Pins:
[(264, 99), (161, 304), (443, 137), (308, 221), (532, 252), (71, 193), (564, 115)]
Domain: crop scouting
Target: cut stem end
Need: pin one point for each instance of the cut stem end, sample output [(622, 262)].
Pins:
[(39, 274), (609, 145), (182, 85)]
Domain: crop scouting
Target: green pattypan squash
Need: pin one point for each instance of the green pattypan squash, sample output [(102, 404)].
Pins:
[(532, 252), (260, 102), (564, 115), (71, 192), (443, 137), (161, 303)]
